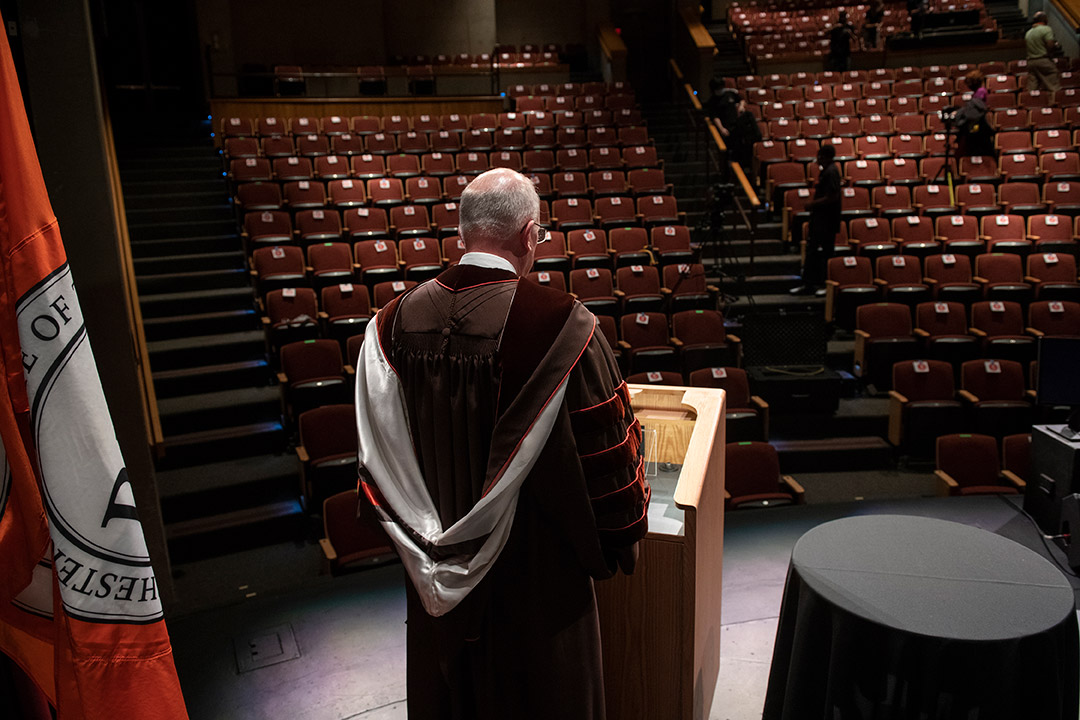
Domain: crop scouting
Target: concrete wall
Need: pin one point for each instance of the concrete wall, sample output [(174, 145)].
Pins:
[(1064, 32)]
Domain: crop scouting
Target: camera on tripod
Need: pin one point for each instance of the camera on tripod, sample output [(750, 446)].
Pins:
[(948, 115)]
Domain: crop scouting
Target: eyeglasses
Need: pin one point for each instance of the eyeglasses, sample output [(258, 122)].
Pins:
[(541, 231)]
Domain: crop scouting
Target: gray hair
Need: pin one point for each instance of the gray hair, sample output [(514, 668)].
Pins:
[(496, 205)]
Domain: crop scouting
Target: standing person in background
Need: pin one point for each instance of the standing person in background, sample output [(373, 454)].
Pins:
[(740, 131), (499, 450), (824, 224), (874, 15), (840, 37), (974, 133), (1041, 48)]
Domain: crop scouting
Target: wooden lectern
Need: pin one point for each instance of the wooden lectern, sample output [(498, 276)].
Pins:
[(661, 626)]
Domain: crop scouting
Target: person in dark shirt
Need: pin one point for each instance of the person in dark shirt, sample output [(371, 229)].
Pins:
[(721, 103), (740, 131), (840, 36), (824, 224), (974, 132), (874, 15)]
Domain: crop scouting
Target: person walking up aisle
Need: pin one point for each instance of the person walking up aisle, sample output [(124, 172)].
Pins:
[(1041, 47)]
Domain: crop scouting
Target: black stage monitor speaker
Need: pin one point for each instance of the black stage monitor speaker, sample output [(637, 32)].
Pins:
[(784, 337)]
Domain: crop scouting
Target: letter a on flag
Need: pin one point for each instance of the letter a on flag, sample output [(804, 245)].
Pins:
[(79, 606)]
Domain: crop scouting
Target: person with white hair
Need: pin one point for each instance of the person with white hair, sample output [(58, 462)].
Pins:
[(499, 451)]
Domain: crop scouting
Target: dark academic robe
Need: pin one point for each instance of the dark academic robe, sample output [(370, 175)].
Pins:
[(487, 369)]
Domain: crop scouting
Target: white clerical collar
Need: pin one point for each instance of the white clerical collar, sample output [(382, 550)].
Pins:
[(486, 260)]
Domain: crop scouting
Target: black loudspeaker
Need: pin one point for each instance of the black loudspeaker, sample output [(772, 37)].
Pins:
[(784, 337), (1055, 477), (797, 388)]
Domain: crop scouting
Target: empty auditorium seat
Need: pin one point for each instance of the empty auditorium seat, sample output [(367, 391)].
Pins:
[(745, 415), (350, 542), (922, 405), (753, 478), (967, 464), (996, 400), (883, 336), (327, 452), (312, 374)]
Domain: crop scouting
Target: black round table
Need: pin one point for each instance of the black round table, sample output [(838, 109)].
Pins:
[(888, 616)]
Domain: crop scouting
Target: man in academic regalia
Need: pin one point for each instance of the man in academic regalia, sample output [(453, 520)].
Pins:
[(499, 450)]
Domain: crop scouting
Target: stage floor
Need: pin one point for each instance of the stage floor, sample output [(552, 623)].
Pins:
[(348, 660)]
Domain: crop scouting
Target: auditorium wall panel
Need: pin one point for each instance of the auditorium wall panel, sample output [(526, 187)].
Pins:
[(359, 32), (430, 27)]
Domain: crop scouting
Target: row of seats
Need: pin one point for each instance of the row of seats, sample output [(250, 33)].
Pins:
[(992, 399), (900, 156), (922, 236), (658, 213), (854, 281), (586, 246), (910, 115), (363, 125), (907, 95), (439, 187), (645, 287), (884, 333), (997, 276), (326, 167), (933, 199), (889, 75), (643, 339), (570, 89), (536, 137), (313, 371)]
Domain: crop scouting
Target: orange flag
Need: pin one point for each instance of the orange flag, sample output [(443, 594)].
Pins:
[(79, 605)]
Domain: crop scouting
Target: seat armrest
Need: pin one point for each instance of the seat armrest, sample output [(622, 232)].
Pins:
[(896, 417), (976, 332), (945, 483), (624, 345), (676, 342), (863, 334), (968, 396), (919, 332), (796, 489), (328, 549), (282, 379), (1014, 479), (301, 454), (1033, 331)]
